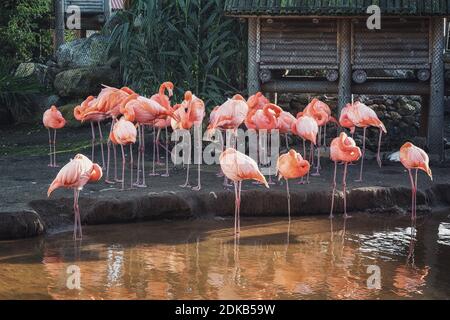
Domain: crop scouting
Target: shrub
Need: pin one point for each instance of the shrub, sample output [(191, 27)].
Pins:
[(189, 42)]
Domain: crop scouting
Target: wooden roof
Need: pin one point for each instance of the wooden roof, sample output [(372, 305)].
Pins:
[(336, 7)]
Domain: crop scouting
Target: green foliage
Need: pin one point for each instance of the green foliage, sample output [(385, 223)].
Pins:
[(16, 93), (189, 42), (24, 30)]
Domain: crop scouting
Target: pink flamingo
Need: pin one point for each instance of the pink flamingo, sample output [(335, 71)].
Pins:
[(363, 117), (163, 123), (190, 114), (124, 133), (257, 101), (264, 119), (144, 111), (238, 167), (321, 112), (306, 128), (74, 175), (343, 149), (284, 124), (88, 111), (228, 116), (110, 100), (53, 119), (291, 165), (414, 158)]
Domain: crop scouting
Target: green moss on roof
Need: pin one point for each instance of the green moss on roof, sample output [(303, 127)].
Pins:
[(337, 7)]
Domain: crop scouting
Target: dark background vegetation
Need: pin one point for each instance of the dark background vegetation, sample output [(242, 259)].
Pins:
[(189, 42)]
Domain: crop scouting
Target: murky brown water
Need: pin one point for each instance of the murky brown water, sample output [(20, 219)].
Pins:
[(199, 260)]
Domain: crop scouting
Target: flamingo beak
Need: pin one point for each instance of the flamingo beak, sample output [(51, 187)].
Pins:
[(170, 92)]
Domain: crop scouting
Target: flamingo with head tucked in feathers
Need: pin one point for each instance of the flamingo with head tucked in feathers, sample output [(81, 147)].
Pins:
[(75, 175), (342, 149), (306, 128), (238, 167), (414, 158), (53, 119)]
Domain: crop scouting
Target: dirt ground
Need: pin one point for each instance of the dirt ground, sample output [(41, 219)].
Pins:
[(25, 176)]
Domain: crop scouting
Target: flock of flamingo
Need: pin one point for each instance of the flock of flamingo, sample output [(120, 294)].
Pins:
[(131, 113)]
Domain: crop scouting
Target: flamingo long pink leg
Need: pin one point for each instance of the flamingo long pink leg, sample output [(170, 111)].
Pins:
[(131, 166), (143, 156), (325, 136), (54, 149), (239, 206), (157, 147), (77, 218), (199, 158), (302, 180), (379, 146), (413, 194), (344, 189), (269, 144), (167, 154), (50, 147), (101, 143), (362, 156), (92, 141), (123, 167), (138, 168), (154, 153), (288, 199), (108, 156), (237, 193), (334, 189), (287, 141)]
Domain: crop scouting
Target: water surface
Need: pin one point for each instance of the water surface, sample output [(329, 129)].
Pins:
[(310, 258)]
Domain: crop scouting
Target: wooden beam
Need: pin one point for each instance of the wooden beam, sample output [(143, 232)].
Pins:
[(436, 112), (345, 63), (253, 65), (59, 23)]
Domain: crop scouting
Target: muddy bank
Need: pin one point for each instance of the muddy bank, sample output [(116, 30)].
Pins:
[(54, 214)]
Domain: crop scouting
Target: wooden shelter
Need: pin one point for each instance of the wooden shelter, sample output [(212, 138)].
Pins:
[(329, 46)]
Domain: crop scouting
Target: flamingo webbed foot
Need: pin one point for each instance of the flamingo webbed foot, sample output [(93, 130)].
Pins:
[(110, 181), (197, 188)]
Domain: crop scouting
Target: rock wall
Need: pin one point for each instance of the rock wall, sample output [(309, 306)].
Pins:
[(400, 115)]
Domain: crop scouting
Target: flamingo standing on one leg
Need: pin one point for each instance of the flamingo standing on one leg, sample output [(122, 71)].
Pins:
[(363, 117), (414, 158), (74, 175), (53, 119), (228, 116), (291, 165), (306, 128), (264, 119), (342, 149), (238, 167), (124, 133), (191, 114)]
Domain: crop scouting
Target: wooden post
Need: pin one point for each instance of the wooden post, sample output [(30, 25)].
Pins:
[(107, 7), (436, 111), (253, 67), (345, 63), (59, 23)]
